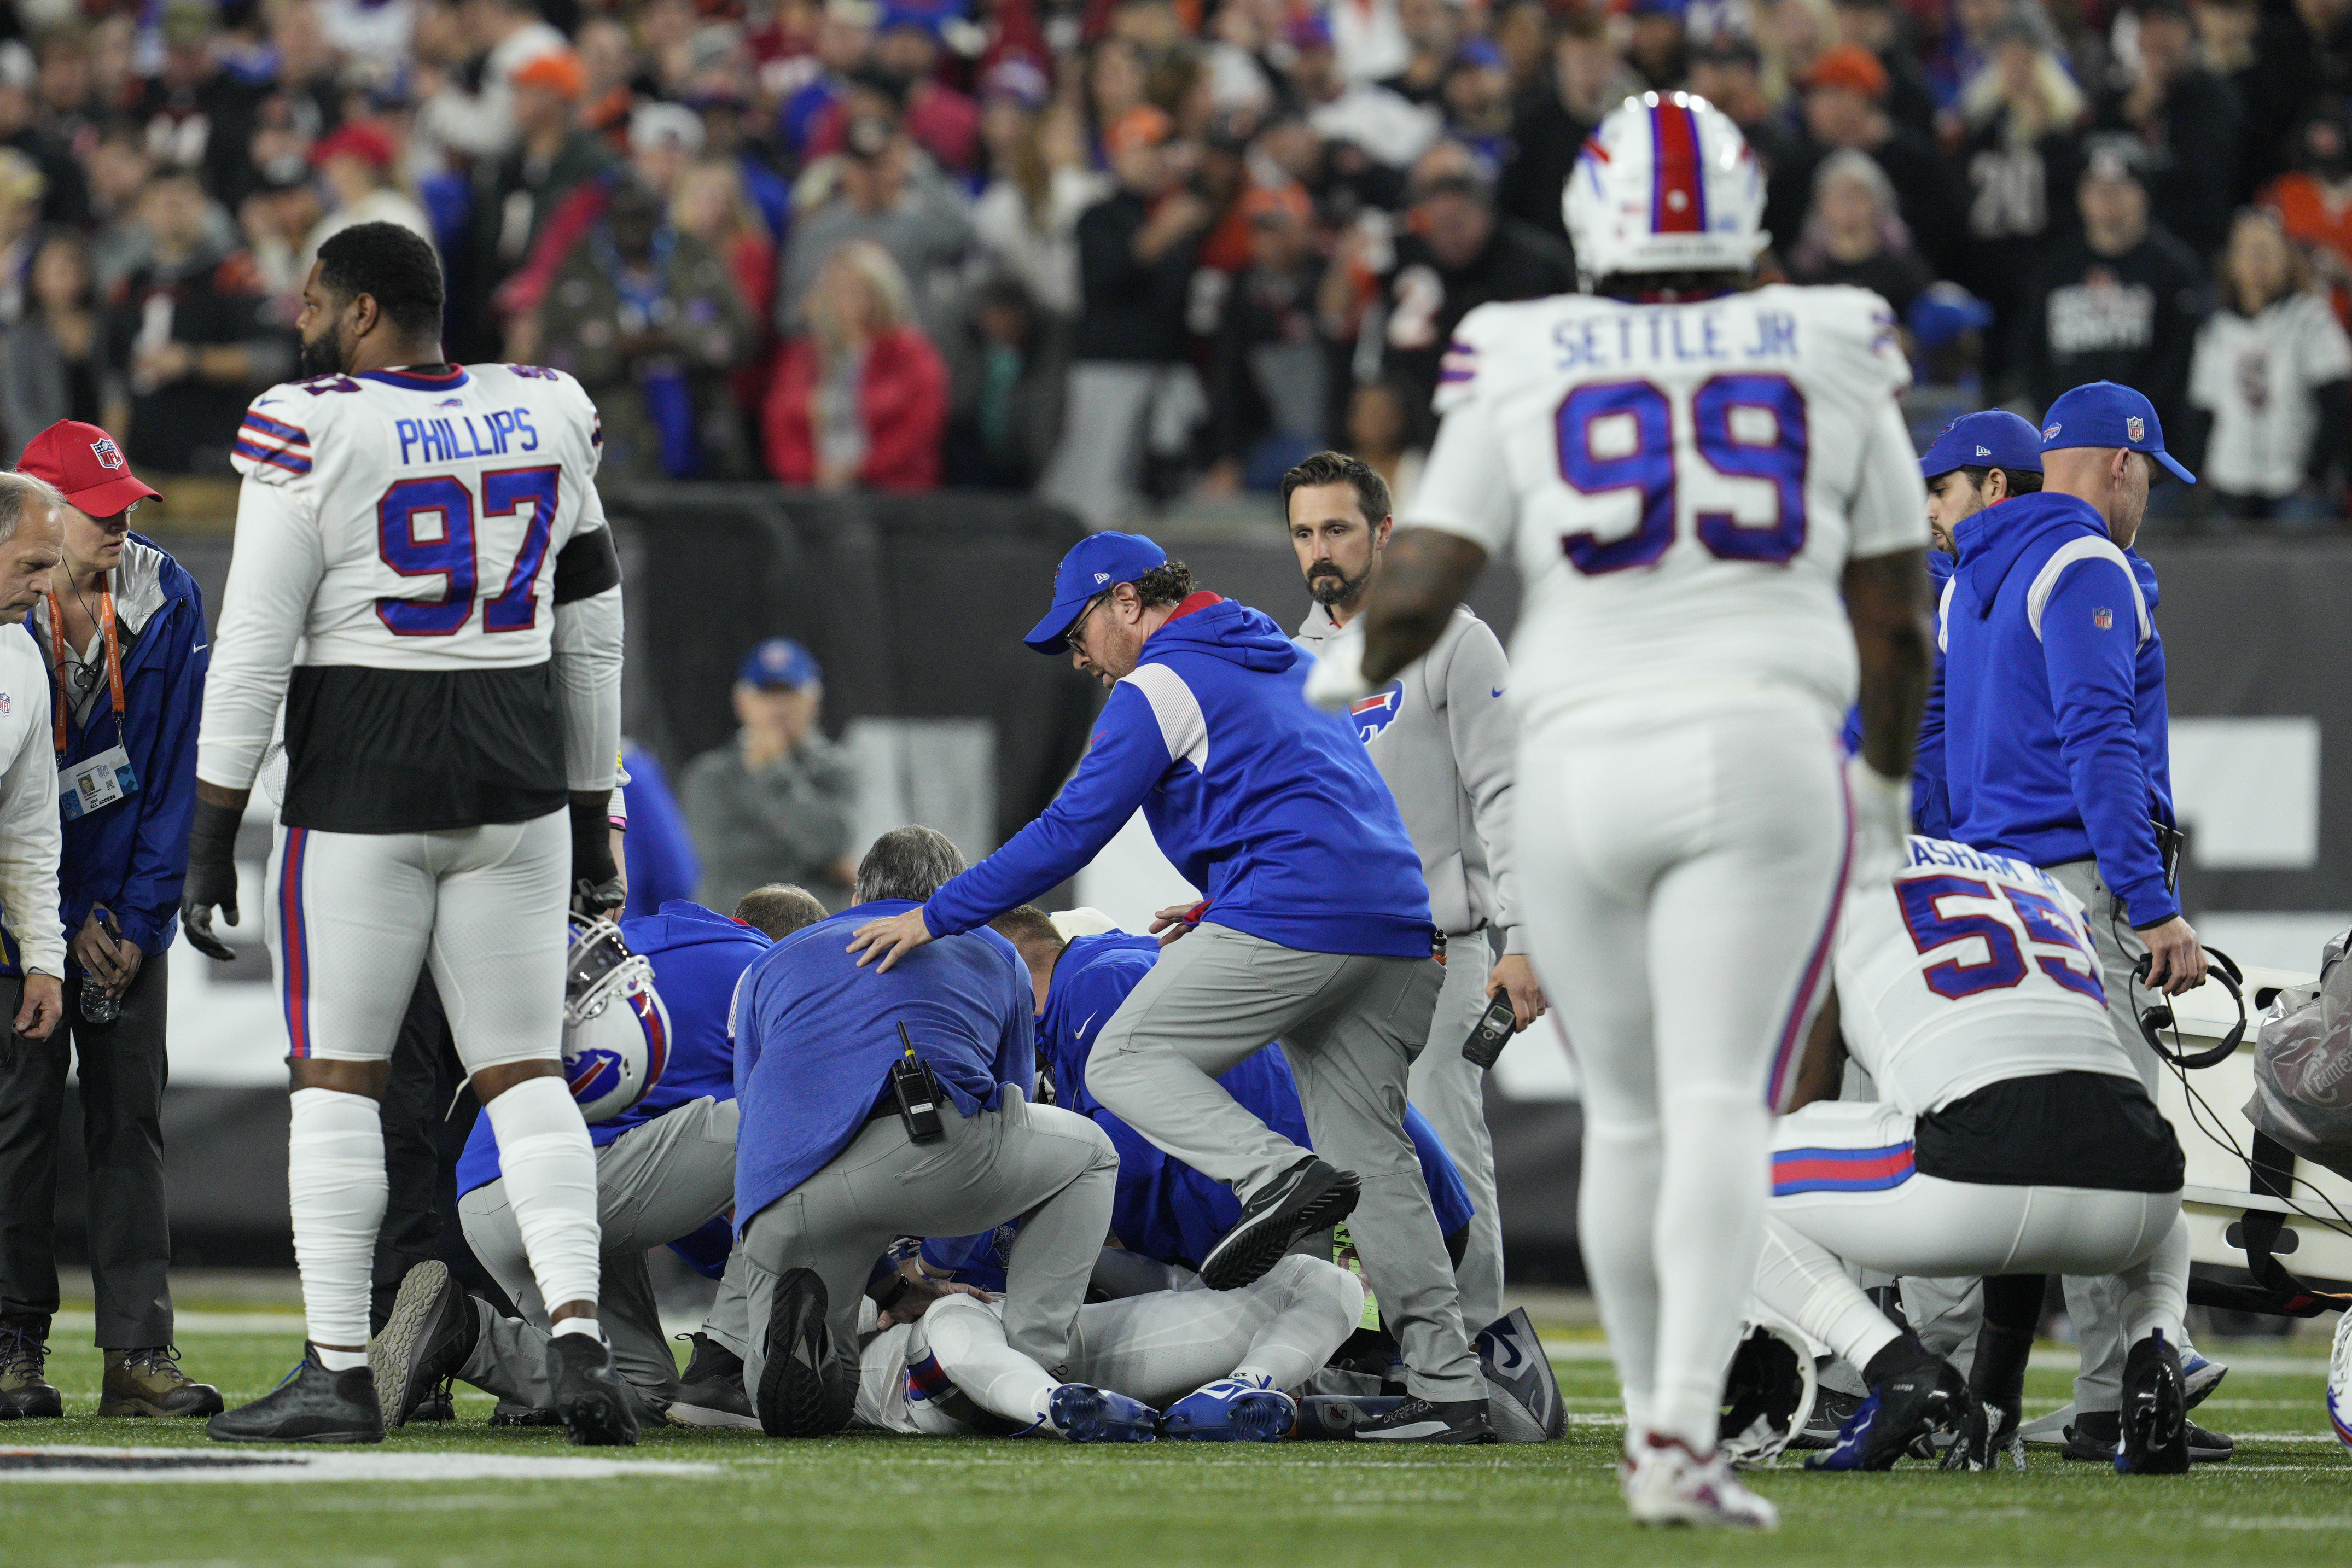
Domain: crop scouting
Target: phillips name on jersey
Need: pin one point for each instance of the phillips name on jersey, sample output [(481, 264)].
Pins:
[(414, 529), (1688, 483)]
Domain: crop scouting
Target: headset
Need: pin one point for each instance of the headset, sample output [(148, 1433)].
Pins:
[(2223, 969)]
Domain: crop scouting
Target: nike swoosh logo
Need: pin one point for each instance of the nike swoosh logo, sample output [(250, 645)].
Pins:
[(200, 647), (1090, 1018), (1497, 691)]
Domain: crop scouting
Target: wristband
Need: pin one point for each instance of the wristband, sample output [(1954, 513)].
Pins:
[(212, 836)]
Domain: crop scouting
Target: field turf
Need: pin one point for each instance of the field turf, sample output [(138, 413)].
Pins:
[(864, 1499)]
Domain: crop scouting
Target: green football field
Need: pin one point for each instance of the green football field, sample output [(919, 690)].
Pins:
[(894, 1501)]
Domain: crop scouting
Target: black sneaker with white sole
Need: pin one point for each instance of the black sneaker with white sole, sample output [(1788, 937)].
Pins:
[(591, 1398), (431, 1330), (796, 1397), (312, 1405), (1416, 1420), (1311, 1196), (2094, 1435), (710, 1393)]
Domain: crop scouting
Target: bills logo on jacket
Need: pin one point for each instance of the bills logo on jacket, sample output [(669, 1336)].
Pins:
[(1374, 714)]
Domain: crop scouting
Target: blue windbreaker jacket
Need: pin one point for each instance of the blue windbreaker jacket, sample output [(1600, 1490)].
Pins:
[(1268, 806), (2056, 734)]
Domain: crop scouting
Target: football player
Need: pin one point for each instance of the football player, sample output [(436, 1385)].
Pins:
[(423, 576), (1716, 504), (2011, 1137)]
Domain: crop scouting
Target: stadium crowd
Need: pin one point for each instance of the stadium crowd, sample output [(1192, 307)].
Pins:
[(1125, 250)]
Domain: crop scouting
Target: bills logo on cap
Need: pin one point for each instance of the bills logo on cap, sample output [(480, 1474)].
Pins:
[(109, 456), (2052, 432), (2135, 427), (1374, 714), (2105, 620)]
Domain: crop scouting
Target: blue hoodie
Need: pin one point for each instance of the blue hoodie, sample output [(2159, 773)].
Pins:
[(816, 1036), (2056, 732), (1270, 807), (697, 955)]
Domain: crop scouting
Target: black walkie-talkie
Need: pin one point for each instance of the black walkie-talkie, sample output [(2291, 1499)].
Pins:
[(1492, 1031), (919, 1095)]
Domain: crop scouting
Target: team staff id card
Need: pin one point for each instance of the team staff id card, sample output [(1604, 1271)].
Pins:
[(95, 783)]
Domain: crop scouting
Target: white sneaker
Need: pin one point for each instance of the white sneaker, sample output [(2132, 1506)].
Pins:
[(2339, 1383), (1665, 1483)]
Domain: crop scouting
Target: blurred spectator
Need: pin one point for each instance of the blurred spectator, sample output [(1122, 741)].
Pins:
[(861, 398), (1435, 30), (1522, 33), (1027, 218), (1882, 27), (1368, 38), (649, 321), (120, 167), (1010, 383), (1477, 99), (22, 186), (2303, 60), (1380, 426), (1455, 253), (65, 192), (1844, 107), (275, 216), (489, 121), (2314, 201), (1587, 81), (844, 38), (551, 157), (1793, 35), (2119, 301), (1729, 72), (1855, 236), (2226, 31), (609, 62), (664, 138), (1136, 250), (193, 335), (355, 164), (1267, 388), (2018, 155), (881, 188), (53, 363), (774, 803), (2270, 381), (725, 135), (711, 204), (942, 121), (2188, 119), (1386, 127), (1654, 46)]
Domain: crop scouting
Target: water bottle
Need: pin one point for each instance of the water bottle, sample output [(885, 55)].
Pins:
[(99, 1005)]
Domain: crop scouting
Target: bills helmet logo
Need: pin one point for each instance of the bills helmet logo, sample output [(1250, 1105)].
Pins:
[(1374, 714), (2105, 620), (109, 456), (2135, 427)]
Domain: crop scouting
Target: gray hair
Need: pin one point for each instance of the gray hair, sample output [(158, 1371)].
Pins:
[(911, 863), (779, 909), (18, 489)]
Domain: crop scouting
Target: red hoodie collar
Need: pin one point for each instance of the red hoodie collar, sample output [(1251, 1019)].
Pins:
[(1199, 601)]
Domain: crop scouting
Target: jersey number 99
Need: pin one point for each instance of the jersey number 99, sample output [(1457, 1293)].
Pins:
[(1648, 468), (451, 553)]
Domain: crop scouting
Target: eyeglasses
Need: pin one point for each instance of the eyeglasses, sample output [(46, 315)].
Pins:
[(1077, 627)]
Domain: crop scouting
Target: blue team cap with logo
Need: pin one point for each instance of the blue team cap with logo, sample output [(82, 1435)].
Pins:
[(2105, 413), (1993, 439), (1095, 565), (779, 665)]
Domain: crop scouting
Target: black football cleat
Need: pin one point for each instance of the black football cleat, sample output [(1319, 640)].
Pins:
[(710, 1393), (1416, 1420), (795, 1385), (432, 1330), (507, 1412), (312, 1405), (1905, 1411), (1311, 1196), (591, 1398), (2153, 1421)]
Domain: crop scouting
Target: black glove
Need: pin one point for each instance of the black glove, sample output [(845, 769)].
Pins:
[(597, 886), (212, 878)]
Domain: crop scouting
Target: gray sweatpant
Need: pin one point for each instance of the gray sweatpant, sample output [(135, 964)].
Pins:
[(1350, 1026), (1052, 1169), (655, 1183), (1451, 1093)]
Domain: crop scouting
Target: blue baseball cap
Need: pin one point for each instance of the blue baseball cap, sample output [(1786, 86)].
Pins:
[(778, 664), (2105, 413), (1095, 565), (1993, 439)]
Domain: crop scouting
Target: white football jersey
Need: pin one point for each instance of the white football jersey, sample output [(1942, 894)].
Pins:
[(439, 504), (1687, 484), (1966, 970)]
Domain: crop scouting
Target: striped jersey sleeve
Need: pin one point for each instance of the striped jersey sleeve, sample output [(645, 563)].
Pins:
[(269, 446)]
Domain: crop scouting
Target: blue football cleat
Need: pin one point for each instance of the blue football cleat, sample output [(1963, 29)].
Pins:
[(1903, 1409), (1098, 1415), (1233, 1410)]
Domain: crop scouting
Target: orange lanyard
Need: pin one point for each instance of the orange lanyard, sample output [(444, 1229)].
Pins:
[(113, 659)]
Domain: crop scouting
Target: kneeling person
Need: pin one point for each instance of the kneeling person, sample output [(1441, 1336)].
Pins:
[(2015, 1138)]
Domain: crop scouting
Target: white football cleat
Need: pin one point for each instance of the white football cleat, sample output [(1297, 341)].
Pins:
[(1665, 1483)]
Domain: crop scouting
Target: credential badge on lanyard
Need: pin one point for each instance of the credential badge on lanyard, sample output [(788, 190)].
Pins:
[(95, 783)]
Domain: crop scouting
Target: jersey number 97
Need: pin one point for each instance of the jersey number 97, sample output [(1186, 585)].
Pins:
[(1648, 468), (451, 553)]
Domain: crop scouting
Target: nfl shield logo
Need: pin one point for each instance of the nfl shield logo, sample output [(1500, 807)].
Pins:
[(2105, 620), (109, 456), (2135, 427)]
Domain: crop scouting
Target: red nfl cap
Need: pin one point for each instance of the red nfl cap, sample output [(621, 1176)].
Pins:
[(83, 461)]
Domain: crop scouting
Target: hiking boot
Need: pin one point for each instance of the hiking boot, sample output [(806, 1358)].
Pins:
[(149, 1382), (24, 1392)]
